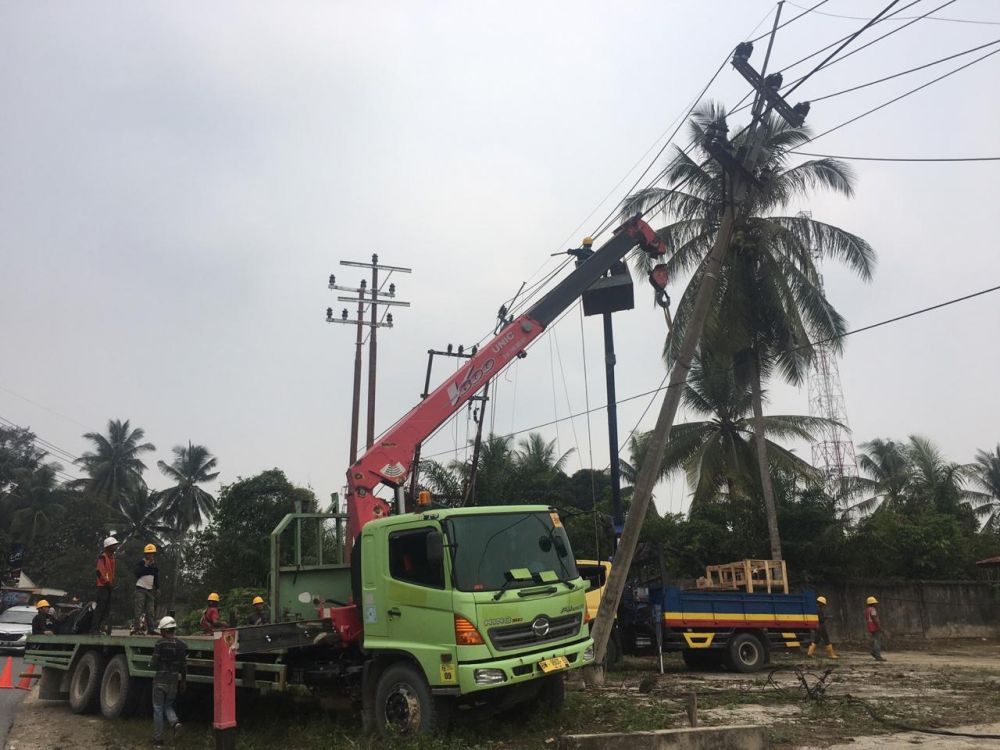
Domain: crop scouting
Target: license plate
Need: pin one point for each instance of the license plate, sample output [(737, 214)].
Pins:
[(551, 665)]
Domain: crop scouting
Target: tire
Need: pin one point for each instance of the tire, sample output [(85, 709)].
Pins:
[(552, 694), (613, 657), (404, 705), (120, 691), (746, 653), (85, 684), (701, 660)]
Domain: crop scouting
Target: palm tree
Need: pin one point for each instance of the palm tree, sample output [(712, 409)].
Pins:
[(114, 467), (34, 501), (185, 503), (915, 476), (718, 454), (769, 302), (986, 475), (140, 515), (536, 460)]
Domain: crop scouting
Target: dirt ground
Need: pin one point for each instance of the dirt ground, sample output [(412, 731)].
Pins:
[(953, 684)]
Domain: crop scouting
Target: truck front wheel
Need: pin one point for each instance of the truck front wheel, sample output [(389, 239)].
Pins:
[(85, 684), (404, 704), (746, 653)]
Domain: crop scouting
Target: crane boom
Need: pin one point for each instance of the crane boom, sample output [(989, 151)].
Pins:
[(390, 459)]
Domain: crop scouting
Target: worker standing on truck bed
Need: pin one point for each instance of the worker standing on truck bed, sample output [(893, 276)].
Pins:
[(170, 662), (147, 590), (874, 624), (105, 584), (821, 635), (260, 615), (210, 618)]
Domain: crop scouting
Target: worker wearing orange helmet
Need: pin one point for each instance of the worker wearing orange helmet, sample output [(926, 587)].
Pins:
[(211, 620), (147, 591), (874, 624), (260, 615), (821, 635)]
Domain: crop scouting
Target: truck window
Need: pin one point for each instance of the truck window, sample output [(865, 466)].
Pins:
[(408, 559)]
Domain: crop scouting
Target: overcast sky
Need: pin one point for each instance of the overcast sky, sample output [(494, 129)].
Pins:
[(179, 179)]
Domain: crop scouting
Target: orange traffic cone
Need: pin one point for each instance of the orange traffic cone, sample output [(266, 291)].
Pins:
[(26, 677), (6, 679)]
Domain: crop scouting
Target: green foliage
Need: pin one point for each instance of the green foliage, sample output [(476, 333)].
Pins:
[(234, 608), (114, 466), (234, 549)]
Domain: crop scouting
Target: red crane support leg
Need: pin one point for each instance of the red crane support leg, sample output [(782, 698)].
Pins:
[(224, 687)]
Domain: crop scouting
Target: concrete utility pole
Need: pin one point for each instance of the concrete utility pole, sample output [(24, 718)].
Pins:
[(739, 174), (362, 298)]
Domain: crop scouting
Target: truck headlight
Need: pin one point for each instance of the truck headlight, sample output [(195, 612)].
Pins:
[(489, 676), (588, 655)]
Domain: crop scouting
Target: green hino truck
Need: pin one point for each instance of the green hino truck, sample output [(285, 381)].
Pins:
[(413, 613)]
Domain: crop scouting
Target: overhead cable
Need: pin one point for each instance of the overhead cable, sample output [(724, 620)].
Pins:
[(898, 158), (932, 18)]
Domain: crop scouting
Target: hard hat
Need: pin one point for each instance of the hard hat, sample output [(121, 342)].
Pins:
[(258, 600), (821, 599), (871, 600), (168, 623), (110, 542), (588, 241), (213, 597), (149, 549), (42, 603)]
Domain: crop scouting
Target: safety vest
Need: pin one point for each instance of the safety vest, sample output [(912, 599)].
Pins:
[(871, 619)]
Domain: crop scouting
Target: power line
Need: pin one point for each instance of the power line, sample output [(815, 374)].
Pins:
[(905, 72), (899, 158), (51, 447), (42, 406), (872, 326), (932, 18), (901, 96), (806, 11), (837, 51)]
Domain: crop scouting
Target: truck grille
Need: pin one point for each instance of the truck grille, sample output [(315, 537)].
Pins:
[(540, 630)]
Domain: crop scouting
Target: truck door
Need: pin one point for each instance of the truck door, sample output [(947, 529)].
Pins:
[(418, 608)]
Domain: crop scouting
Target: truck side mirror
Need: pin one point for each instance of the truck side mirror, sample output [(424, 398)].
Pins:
[(435, 547)]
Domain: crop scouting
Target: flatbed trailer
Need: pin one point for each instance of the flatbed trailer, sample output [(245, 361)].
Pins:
[(112, 674)]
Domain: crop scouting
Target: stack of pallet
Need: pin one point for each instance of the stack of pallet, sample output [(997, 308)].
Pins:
[(746, 575)]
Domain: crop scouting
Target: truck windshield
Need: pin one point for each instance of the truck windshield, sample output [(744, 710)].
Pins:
[(486, 548)]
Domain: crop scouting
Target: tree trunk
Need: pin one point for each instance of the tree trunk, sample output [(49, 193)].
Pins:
[(649, 472), (760, 443)]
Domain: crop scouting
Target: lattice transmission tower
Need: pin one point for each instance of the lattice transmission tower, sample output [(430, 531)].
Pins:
[(833, 454)]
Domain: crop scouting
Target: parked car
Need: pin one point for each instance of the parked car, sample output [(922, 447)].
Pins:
[(15, 627)]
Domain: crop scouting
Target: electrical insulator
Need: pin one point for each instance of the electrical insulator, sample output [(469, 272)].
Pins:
[(461, 350), (449, 348), (329, 313), (374, 259), (389, 318), (343, 314), (333, 279), (392, 290), (475, 348), (364, 283)]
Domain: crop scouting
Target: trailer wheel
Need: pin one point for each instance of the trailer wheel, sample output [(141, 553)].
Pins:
[(746, 653), (119, 691), (404, 704), (85, 684)]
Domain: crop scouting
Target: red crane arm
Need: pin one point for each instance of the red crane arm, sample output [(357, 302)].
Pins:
[(390, 459)]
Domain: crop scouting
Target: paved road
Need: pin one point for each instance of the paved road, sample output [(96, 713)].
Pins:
[(9, 699)]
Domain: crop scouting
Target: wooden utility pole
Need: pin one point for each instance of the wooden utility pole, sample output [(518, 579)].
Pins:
[(739, 173)]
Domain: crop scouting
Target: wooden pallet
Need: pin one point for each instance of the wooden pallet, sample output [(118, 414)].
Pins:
[(746, 575)]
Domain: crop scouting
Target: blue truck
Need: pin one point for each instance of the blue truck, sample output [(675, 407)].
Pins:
[(735, 622)]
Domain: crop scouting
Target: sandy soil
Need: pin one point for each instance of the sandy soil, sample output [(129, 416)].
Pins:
[(50, 725)]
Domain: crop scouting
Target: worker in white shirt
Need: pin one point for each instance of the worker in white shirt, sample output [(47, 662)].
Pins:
[(147, 591)]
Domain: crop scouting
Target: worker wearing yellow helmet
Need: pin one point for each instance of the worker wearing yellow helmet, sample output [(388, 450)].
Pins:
[(147, 592), (874, 624), (43, 623), (259, 615), (211, 620), (821, 635)]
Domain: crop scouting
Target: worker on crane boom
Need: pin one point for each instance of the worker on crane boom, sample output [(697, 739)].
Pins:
[(390, 459)]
